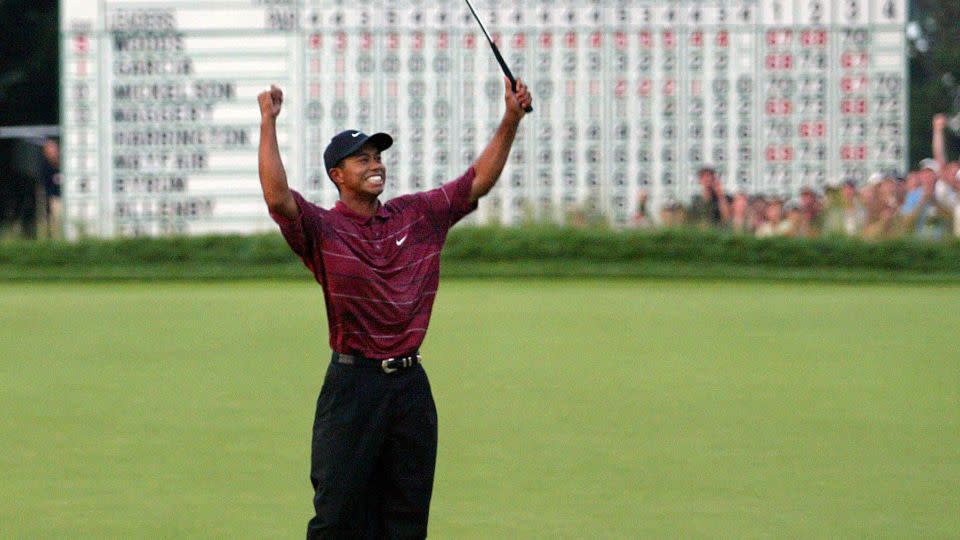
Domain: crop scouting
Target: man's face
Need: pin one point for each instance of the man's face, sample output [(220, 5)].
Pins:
[(774, 211), (362, 174), (927, 178), (849, 192), (888, 188), (706, 179), (740, 203)]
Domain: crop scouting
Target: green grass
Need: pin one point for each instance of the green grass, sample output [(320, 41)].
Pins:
[(570, 409)]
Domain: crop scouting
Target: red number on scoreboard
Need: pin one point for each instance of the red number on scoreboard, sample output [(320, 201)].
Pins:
[(645, 40), (696, 39), (723, 38), (850, 85), (813, 129), (469, 41), (853, 106), (669, 86), (81, 44), (853, 152), (621, 40), (596, 40), (643, 88), (779, 107), (316, 41), (546, 40), (813, 38), (779, 61), (669, 39), (779, 153), (779, 38), (519, 41), (854, 60), (621, 89)]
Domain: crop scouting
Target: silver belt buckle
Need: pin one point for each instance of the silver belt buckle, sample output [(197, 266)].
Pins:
[(386, 367), (408, 361)]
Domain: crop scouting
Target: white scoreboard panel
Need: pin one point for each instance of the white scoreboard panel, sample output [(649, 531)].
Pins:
[(160, 118)]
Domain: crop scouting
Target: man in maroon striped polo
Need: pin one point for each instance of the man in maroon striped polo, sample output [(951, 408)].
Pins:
[(375, 430)]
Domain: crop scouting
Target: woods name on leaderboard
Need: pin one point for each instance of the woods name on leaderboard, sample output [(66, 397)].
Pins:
[(632, 95)]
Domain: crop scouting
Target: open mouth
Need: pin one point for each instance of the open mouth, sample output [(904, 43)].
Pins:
[(375, 180)]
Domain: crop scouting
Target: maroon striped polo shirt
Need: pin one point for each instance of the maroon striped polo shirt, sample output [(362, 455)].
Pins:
[(379, 274)]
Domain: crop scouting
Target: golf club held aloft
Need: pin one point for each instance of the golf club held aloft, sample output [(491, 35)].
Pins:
[(496, 52)]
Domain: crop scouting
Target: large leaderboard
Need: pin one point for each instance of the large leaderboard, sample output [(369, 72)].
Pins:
[(160, 118)]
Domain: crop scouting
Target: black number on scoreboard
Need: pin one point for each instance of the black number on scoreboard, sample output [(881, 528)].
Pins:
[(315, 111), (281, 19), (816, 11), (890, 10), (853, 10)]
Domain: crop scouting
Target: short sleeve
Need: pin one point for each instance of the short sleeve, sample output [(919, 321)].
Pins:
[(302, 233), (450, 202)]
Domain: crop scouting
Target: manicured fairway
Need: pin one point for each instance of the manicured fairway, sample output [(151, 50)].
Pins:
[(575, 409)]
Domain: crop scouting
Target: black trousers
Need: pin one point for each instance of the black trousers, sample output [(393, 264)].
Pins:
[(374, 453)]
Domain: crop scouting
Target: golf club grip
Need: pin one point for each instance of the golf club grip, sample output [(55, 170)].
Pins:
[(506, 71)]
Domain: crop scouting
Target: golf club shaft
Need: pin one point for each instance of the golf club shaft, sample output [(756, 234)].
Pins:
[(496, 53)]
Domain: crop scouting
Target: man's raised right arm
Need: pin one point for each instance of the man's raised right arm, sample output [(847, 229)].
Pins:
[(273, 177)]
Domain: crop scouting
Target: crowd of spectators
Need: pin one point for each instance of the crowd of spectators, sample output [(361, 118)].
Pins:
[(30, 188), (923, 203)]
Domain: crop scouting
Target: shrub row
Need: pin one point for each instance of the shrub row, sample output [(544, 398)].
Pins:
[(494, 251)]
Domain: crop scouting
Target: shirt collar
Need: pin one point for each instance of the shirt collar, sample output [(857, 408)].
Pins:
[(341, 208)]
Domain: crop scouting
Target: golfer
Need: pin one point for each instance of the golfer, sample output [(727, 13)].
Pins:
[(375, 430)]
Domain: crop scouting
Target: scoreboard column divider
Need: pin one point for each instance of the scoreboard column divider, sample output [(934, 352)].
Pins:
[(905, 103), (833, 102), (106, 146), (757, 114), (456, 118), (683, 95), (604, 188), (299, 59)]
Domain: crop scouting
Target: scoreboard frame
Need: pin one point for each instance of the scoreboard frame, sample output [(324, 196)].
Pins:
[(160, 123)]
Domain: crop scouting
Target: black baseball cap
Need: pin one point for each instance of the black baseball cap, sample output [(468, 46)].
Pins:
[(346, 143)]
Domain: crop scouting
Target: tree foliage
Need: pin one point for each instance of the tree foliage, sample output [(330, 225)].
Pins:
[(934, 73), (29, 62)]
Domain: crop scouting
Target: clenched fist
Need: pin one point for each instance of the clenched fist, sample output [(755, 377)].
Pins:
[(270, 102), (939, 121), (519, 101)]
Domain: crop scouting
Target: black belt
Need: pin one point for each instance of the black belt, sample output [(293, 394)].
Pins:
[(388, 365)]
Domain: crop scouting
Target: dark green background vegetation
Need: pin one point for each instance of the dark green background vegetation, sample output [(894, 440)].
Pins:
[(506, 252)]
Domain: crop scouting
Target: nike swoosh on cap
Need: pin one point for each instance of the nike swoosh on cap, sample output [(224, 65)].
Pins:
[(355, 135)]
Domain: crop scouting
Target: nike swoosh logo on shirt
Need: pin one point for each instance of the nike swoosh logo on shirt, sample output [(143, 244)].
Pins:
[(402, 240)]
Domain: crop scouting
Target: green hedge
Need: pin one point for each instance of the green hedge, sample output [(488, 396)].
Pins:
[(504, 252)]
